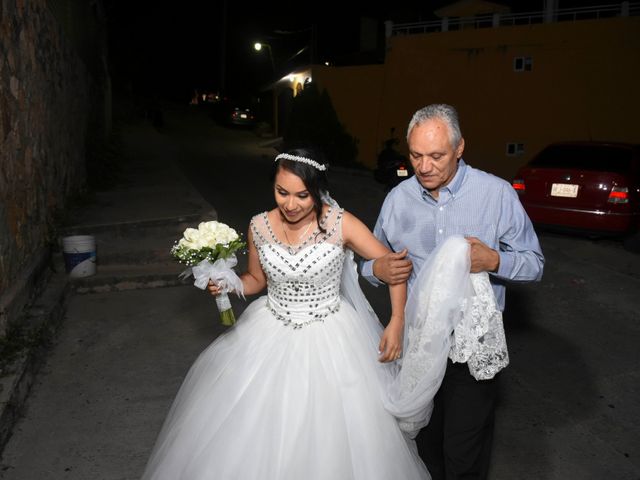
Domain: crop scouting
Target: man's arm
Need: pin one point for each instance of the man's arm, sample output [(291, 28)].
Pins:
[(521, 258)]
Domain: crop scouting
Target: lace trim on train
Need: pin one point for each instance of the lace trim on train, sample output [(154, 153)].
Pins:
[(479, 339)]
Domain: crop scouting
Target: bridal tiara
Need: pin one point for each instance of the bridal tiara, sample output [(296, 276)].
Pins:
[(296, 158)]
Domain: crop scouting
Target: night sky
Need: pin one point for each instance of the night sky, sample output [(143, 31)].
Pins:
[(170, 49)]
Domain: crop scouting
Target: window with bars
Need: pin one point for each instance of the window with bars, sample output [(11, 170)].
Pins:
[(522, 64), (515, 149)]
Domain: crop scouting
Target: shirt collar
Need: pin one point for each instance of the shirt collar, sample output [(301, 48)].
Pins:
[(458, 178), (455, 183)]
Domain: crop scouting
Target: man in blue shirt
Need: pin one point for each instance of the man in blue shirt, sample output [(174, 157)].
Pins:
[(447, 197)]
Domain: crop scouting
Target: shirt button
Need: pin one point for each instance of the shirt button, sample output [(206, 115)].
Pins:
[(440, 231), (441, 208)]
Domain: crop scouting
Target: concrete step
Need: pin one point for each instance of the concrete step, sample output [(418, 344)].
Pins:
[(127, 276), (147, 242), (115, 278)]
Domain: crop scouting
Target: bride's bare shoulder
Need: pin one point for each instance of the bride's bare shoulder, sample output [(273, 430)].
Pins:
[(352, 225), (350, 218), (269, 214)]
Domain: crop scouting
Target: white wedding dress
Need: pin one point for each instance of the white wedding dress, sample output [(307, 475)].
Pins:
[(294, 390)]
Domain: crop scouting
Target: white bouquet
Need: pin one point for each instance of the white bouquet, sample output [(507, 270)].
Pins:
[(209, 251)]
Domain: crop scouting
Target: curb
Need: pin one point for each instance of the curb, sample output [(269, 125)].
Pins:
[(121, 283), (154, 238), (45, 316), (124, 227)]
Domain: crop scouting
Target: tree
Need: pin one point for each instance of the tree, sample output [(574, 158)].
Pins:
[(314, 122)]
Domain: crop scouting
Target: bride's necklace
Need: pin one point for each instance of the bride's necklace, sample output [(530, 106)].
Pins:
[(289, 242)]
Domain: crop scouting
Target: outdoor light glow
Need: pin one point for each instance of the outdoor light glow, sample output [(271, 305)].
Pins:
[(618, 195), (258, 48), (291, 77), (518, 185)]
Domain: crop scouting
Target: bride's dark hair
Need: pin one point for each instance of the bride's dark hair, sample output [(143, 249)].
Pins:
[(314, 180)]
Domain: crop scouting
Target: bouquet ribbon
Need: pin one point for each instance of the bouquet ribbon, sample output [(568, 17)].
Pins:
[(220, 272)]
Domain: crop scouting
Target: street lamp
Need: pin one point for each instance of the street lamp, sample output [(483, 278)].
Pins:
[(258, 46)]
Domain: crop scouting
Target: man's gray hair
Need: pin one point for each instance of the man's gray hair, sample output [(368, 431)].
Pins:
[(443, 112)]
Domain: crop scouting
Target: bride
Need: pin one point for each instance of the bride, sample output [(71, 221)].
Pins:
[(307, 384)]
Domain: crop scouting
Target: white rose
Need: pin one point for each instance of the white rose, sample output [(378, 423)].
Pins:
[(216, 232), (193, 239), (209, 239), (202, 242), (191, 234), (207, 227), (219, 229), (229, 234), (190, 245)]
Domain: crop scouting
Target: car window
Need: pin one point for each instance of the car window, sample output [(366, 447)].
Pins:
[(607, 158)]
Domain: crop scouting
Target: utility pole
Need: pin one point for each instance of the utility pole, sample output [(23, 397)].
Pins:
[(313, 45), (223, 48)]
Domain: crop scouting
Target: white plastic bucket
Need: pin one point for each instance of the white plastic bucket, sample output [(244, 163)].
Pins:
[(79, 255)]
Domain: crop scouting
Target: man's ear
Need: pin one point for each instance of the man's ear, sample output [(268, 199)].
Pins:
[(460, 149)]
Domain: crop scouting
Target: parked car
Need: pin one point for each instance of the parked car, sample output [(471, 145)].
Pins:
[(591, 187), (241, 115), (235, 112)]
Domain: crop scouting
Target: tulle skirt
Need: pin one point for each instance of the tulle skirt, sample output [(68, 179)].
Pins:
[(265, 401)]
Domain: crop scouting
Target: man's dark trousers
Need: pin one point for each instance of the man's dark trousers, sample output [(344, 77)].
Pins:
[(457, 442)]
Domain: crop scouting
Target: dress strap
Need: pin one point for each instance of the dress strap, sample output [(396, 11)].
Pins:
[(332, 225), (261, 230)]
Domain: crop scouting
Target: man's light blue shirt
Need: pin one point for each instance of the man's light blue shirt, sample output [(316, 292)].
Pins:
[(473, 204)]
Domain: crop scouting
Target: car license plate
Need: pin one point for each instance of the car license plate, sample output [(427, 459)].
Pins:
[(243, 115), (402, 173), (564, 190)]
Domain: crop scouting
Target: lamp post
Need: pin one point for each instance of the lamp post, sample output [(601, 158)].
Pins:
[(258, 46)]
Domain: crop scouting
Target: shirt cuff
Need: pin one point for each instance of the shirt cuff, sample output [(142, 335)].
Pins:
[(366, 270), (506, 265)]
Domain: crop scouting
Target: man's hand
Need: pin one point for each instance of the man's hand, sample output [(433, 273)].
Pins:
[(393, 268), (483, 258)]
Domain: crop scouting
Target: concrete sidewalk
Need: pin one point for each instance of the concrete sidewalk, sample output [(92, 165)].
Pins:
[(90, 414)]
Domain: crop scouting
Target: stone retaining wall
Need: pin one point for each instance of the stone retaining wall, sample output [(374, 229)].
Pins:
[(45, 108)]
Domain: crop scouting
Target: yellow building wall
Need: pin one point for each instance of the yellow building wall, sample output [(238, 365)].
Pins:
[(583, 86), (356, 96)]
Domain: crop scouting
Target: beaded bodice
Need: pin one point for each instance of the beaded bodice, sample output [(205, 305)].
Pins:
[(303, 281)]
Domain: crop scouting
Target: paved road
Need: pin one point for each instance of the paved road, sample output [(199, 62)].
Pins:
[(569, 407)]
